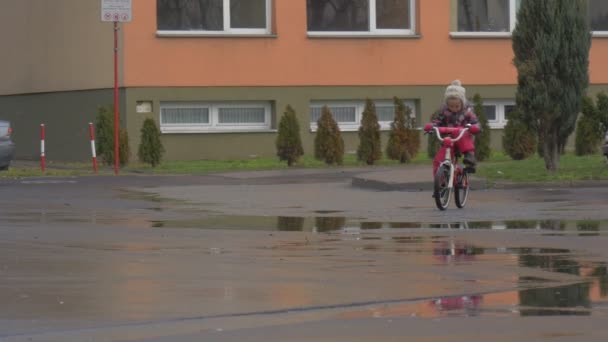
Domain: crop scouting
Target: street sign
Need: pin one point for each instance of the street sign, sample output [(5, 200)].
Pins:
[(116, 10)]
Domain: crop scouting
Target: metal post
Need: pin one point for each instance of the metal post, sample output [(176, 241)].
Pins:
[(116, 116), (93, 153), (42, 152)]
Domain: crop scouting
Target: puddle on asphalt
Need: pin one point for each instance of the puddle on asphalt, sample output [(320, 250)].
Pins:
[(536, 297), (569, 300)]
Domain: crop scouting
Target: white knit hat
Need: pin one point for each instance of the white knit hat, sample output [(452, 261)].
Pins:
[(456, 90)]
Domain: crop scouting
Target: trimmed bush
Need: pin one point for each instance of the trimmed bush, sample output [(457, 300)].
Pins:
[(403, 140), (602, 110), (482, 140), (104, 135), (433, 143), (519, 140), (370, 146), (292, 224), (289, 144), (329, 145), (591, 125), (104, 138), (124, 152), (150, 147)]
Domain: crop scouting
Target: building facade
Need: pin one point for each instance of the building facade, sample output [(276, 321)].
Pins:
[(217, 75)]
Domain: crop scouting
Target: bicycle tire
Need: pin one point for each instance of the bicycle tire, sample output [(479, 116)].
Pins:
[(441, 191), (461, 191)]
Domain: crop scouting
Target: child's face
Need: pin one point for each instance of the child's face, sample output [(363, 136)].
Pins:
[(454, 105)]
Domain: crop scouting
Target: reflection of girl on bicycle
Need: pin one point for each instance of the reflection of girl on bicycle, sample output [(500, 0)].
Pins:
[(456, 112)]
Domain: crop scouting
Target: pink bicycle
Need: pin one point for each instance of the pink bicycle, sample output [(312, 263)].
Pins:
[(450, 175)]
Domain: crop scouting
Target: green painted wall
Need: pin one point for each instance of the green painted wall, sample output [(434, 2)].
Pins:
[(66, 116), (243, 145)]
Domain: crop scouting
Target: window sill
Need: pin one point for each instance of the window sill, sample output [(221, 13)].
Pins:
[(215, 131), (599, 34), (199, 34), (350, 129), (480, 35), (497, 125), (342, 35)]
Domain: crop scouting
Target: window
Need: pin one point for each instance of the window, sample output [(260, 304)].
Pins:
[(348, 113), (598, 15), (487, 16), (360, 17), (187, 117), (497, 111), (208, 17)]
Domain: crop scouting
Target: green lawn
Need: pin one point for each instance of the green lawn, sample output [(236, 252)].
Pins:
[(501, 167), (207, 166)]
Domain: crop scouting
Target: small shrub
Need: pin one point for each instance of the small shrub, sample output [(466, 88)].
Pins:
[(370, 147), (404, 140), (482, 140), (329, 145), (104, 135), (150, 147), (518, 141), (124, 152), (591, 125), (104, 138), (289, 144), (433, 143)]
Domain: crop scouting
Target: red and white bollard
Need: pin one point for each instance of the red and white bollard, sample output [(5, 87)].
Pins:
[(92, 136), (42, 155)]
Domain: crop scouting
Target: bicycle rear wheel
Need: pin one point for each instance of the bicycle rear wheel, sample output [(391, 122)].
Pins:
[(461, 190), (441, 190)]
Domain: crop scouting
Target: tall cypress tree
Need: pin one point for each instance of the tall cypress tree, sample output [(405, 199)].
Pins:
[(551, 43), (370, 147)]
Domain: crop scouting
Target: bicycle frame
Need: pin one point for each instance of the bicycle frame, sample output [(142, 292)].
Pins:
[(448, 144)]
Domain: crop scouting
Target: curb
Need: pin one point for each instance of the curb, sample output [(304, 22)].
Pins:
[(476, 184), (370, 184)]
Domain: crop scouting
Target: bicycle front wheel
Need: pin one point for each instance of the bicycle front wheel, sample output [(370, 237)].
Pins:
[(441, 191), (461, 190)]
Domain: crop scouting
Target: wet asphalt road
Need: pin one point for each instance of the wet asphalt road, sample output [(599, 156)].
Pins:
[(286, 256)]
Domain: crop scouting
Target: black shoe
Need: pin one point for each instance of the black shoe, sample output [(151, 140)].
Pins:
[(469, 169)]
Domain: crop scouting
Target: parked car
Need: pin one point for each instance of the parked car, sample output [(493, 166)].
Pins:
[(7, 146)]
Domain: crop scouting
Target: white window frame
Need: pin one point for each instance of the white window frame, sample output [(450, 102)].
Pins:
[(501, 117), (373, 30), (227, 29), (599, 33), (359, 106), (483, 34), (214, 126)]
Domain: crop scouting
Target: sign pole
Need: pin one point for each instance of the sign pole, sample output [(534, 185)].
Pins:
[(116, 116), (116, 11)]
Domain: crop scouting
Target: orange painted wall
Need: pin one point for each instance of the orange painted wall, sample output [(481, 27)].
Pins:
[(292, 59)]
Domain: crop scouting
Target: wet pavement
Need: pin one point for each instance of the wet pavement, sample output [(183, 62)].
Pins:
[(302, 257)]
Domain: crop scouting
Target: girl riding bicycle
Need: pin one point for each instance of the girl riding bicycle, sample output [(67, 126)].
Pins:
[(456, 112)]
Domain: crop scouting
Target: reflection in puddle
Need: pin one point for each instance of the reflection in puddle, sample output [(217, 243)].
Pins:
[(339, 223), (325, 224), (573, 299)]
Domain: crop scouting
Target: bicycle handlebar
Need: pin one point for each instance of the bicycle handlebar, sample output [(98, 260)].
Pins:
[(446, 130)]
